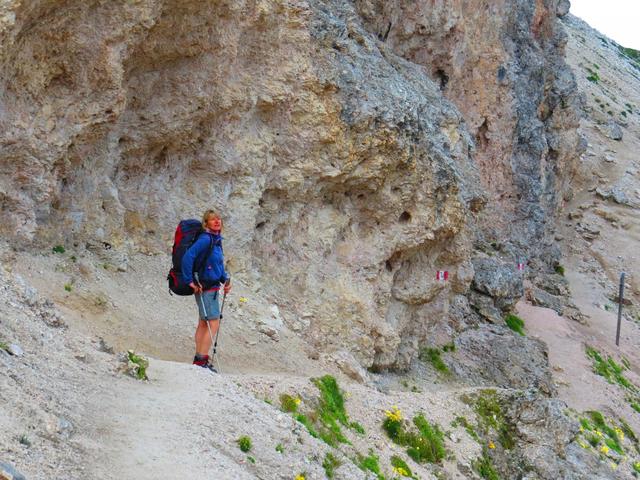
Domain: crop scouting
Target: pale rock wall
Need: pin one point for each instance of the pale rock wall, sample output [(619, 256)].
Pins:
[(344, 176), (502, 64)]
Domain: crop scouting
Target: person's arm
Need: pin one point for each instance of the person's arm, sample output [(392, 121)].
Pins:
[(189, 259), (227, 278)]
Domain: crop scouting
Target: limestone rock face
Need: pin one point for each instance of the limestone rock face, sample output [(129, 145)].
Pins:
[(503, 67), (336, 138)]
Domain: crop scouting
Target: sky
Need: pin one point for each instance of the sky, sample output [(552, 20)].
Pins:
[(617, 19)]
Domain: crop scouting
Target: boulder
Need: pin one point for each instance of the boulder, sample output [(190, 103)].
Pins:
[(493, 355)]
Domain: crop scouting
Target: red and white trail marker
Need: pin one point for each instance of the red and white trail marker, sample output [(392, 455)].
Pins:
[(442, 275), (520, 266)]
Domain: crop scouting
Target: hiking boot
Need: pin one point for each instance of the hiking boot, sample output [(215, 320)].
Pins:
[(210, 367)]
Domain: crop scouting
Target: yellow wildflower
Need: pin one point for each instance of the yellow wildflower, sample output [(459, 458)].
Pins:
[(581, 428), (599, 433), (604, 449), (400, 471), (492, 445), (297, 401), (394, 414), (300, 477), (613, 466), (620, 433), (242, 299), (582, 444)]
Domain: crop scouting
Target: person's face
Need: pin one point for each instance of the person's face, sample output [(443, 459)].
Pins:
[(214, 224)]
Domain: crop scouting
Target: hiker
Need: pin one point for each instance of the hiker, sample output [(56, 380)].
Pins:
[(206, 283)]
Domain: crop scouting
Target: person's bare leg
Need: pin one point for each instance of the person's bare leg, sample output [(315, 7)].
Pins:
[(202, 337), (206, 342)]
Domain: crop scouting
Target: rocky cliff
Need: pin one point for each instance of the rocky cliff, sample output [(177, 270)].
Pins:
[(352, 147)]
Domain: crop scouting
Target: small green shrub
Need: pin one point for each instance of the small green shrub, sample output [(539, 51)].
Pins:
[(559, 269), (244, 442), (24, 440), (251, 459), (515, 323), (593, 76), (68, 287), (449, 347), (141, 364), (279, 448), (370, 463), (289, 403), (432, 356), (428, 444), (330, 464), (58, 249), (4, 346), (484, 466)]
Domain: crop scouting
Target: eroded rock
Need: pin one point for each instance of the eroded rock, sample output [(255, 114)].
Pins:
[(494, 355)]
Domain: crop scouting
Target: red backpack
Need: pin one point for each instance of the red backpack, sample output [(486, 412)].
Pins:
[(186, 234)]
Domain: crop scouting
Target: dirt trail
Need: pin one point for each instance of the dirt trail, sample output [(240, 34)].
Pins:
[(161, 430)]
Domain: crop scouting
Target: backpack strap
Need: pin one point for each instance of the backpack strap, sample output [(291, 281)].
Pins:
[(197, 267)]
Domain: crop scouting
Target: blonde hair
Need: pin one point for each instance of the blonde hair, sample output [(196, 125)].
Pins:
[(211, 214)]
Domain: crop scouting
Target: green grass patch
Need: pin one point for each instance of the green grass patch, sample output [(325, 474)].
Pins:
[(58, 249), (304, 420), (330, 464), (370, 463), (279, 448), (327, 419), (463, 422), (244, 442), (400, 467), (515, 323), (609, 369), (4, 346), (491, 417), (559, 269), (356, 427), (141, 364), (613, 440), (289, 403), (424, 442), (636, 467), (483, 466), (432, 356), (331, 412), (68, 287)]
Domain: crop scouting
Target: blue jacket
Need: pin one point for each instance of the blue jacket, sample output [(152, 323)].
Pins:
[(211, 271)]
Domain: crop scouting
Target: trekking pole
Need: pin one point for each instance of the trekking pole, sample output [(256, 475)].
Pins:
[(215, 343)]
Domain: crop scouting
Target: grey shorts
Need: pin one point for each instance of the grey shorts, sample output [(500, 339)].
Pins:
[(208, 306)]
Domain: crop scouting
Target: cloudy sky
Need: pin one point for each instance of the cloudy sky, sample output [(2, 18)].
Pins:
[(617, 19)]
